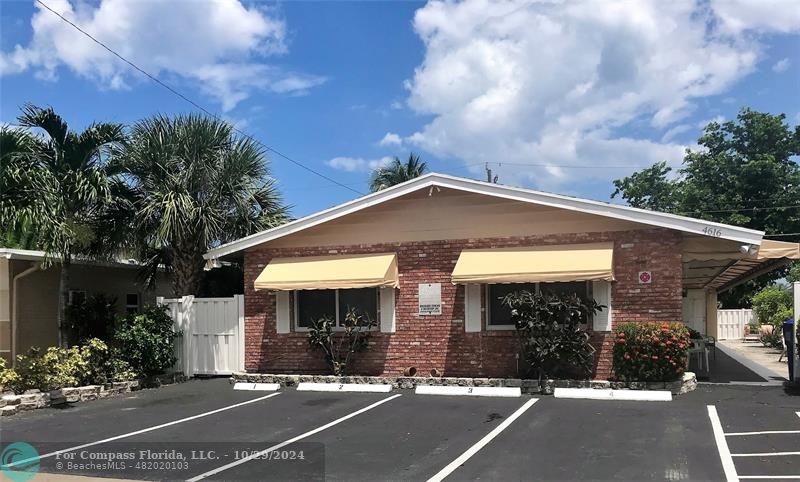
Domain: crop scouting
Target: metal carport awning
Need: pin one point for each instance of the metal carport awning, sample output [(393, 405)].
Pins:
[(771, 255), (330, 272), (529, 264)]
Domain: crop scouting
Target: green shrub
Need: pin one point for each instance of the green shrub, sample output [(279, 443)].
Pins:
[(651, 352), (772, 306), (88, 364), (146, 341), (101, 366), (8, 377), (549, 330), (55, 368), (769, 303), (340, 346)]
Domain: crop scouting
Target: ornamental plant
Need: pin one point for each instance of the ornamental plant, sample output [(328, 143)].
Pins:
[(340, 346), (89, 364), (771, 307), (146, 341), (651, 352), (549, 330)]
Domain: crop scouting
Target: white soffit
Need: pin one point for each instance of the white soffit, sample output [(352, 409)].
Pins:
[(626, 213)]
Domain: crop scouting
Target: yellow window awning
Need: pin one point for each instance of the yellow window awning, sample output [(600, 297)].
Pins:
[(778, 249), (330, 272), (573, 262)]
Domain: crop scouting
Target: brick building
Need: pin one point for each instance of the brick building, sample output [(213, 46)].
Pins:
[(430, 258)]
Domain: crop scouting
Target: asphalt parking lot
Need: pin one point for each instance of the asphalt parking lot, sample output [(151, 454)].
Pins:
[(403, 436)]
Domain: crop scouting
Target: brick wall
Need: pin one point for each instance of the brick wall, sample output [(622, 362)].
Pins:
[(440, 342)]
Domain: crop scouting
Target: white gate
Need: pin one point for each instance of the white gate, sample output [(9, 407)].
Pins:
[(731, 323), (212, 334)]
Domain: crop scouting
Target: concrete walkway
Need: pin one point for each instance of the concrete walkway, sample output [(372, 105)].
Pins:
[(756, 357)]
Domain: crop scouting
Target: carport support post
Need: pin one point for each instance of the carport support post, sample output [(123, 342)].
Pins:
[(796, 286)]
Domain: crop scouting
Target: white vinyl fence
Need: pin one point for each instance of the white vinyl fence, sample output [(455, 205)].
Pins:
[(731, 323), (212, 334)]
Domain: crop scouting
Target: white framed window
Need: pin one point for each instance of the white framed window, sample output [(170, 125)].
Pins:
[(132, 303), (312, 305), (76, 297), (498, 316)]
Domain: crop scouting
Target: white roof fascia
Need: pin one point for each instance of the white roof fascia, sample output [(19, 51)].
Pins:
[(22, 254), (32, 255), (626, 213)]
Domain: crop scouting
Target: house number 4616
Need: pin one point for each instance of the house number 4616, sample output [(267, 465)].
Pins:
[(709, 231)]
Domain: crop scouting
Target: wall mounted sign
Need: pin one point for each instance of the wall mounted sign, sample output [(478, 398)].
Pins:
[(430, 299), (645, 277)]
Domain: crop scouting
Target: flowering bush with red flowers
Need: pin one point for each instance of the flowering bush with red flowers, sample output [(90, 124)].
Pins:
[(650, 352)]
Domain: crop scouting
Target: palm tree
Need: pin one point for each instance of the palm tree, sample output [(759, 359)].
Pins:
[(397, 172), (56, 181), (17, 230), (195, 184)]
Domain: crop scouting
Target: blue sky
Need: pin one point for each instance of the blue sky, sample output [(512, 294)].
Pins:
[(555, 96)]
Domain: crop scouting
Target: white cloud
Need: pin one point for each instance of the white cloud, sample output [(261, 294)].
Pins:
[(390, 139), (553, 82), (356, 164), (719, 119), (396, 105), (673, 132), (782, 65), (737, 16), (221, 47)]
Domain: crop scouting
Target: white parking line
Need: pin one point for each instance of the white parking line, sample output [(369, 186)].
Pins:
[(766, 432), (145, 430), (785, 477), (766, 454), (722, 445), (481, 443), (262, 453)]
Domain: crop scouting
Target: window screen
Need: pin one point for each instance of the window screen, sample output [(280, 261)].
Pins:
[(365, 300), (312, 305), (499, 314)]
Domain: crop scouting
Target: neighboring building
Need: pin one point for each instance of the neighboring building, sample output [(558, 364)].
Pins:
[(29, 295), (429, 259)]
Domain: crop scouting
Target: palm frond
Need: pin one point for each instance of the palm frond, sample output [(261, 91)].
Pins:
[(397, 172)]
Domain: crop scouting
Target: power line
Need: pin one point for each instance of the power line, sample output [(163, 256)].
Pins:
[(190, 101), (767, 208)]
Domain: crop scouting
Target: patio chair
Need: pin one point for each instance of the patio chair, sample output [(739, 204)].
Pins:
[(699, 348)]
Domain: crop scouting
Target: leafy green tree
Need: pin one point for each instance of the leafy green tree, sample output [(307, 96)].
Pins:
[(794, 273), (194, 185), (397, 172), (745, 173), (651, 188), (56, 181)]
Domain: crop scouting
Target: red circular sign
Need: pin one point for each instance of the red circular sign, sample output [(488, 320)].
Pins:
[(645, 277)]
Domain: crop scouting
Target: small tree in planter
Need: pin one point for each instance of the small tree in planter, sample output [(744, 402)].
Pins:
[(340, 346), (550, 334)]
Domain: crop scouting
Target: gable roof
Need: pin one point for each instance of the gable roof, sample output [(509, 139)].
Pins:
[(642, 216)]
